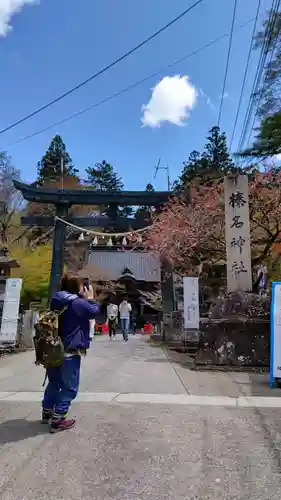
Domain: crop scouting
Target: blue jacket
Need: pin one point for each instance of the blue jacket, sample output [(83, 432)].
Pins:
[(74, 326)]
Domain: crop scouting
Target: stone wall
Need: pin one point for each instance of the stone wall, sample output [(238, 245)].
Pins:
[(234, 342), (235, 333)]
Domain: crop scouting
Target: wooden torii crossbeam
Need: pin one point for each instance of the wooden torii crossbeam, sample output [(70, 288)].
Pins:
[(63, 199)]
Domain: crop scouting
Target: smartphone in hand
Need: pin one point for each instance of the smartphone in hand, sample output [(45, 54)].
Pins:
[(86, 283)]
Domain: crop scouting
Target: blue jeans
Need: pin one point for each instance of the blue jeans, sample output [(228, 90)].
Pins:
[(63, 384), (125, 323)]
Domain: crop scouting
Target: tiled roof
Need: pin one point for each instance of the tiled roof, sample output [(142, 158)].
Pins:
[(95, 273), (144, 266)]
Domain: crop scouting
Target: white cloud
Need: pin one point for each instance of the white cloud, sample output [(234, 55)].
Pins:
[(172, 99), (7, 9)]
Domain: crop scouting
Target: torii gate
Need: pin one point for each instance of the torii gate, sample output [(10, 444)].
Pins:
[(63, 199)]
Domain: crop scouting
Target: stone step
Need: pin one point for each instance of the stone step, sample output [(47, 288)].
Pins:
[(192, 347)]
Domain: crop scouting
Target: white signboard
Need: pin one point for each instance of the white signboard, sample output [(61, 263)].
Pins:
[(275, 333), (237, 234), (9, 321), (191, 303)]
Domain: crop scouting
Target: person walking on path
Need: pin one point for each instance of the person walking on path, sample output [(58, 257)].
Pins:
[(74, 331), (90, 291), (112, 317), (125, 309)]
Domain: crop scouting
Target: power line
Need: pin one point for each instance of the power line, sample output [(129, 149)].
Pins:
[(227, 59), (251, 102), (258, 75), (269, 66), (109, 66), (268, 40), (255, 85), (245, 74), (127, 89)]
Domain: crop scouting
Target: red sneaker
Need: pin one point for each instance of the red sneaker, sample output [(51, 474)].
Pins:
[(61, 425)]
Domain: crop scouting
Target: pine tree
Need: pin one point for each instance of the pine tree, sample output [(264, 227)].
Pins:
[(49, 169), (212, 164), (190, 171), (268, 139), (149, 188), (103, 177), (144, 213), (216, 152)]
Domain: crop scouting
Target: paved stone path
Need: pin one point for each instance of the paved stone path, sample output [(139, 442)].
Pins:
[(146, 429)]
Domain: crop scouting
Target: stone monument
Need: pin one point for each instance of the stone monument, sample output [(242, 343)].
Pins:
[(236, 331), (237, 234)]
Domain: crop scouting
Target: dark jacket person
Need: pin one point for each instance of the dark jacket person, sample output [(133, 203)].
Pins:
[(74, 330)]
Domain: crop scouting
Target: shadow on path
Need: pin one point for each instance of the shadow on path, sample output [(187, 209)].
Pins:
[(12, 431)]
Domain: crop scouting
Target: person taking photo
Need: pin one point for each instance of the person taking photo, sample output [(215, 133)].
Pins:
[(77, 309)]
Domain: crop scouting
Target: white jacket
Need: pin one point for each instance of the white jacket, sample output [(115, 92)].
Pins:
[(112, 311), (124, 310)]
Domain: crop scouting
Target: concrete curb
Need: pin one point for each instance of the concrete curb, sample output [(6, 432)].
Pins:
[(154, 399)]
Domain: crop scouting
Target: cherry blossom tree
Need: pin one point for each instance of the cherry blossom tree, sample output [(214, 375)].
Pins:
[(265, 214), (192, 232)]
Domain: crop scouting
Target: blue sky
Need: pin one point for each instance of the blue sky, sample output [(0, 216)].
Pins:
[(54, 44)]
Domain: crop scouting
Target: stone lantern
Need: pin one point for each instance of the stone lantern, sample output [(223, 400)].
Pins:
[(6, 263)]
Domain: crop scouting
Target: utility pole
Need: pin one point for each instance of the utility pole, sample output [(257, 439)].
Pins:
[(168, 178), (62, 172), (167, 172)]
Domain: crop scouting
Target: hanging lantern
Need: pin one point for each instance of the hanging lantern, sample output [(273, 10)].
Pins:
[(95, 241), (109, 243), (124, 241), (81, 237)]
